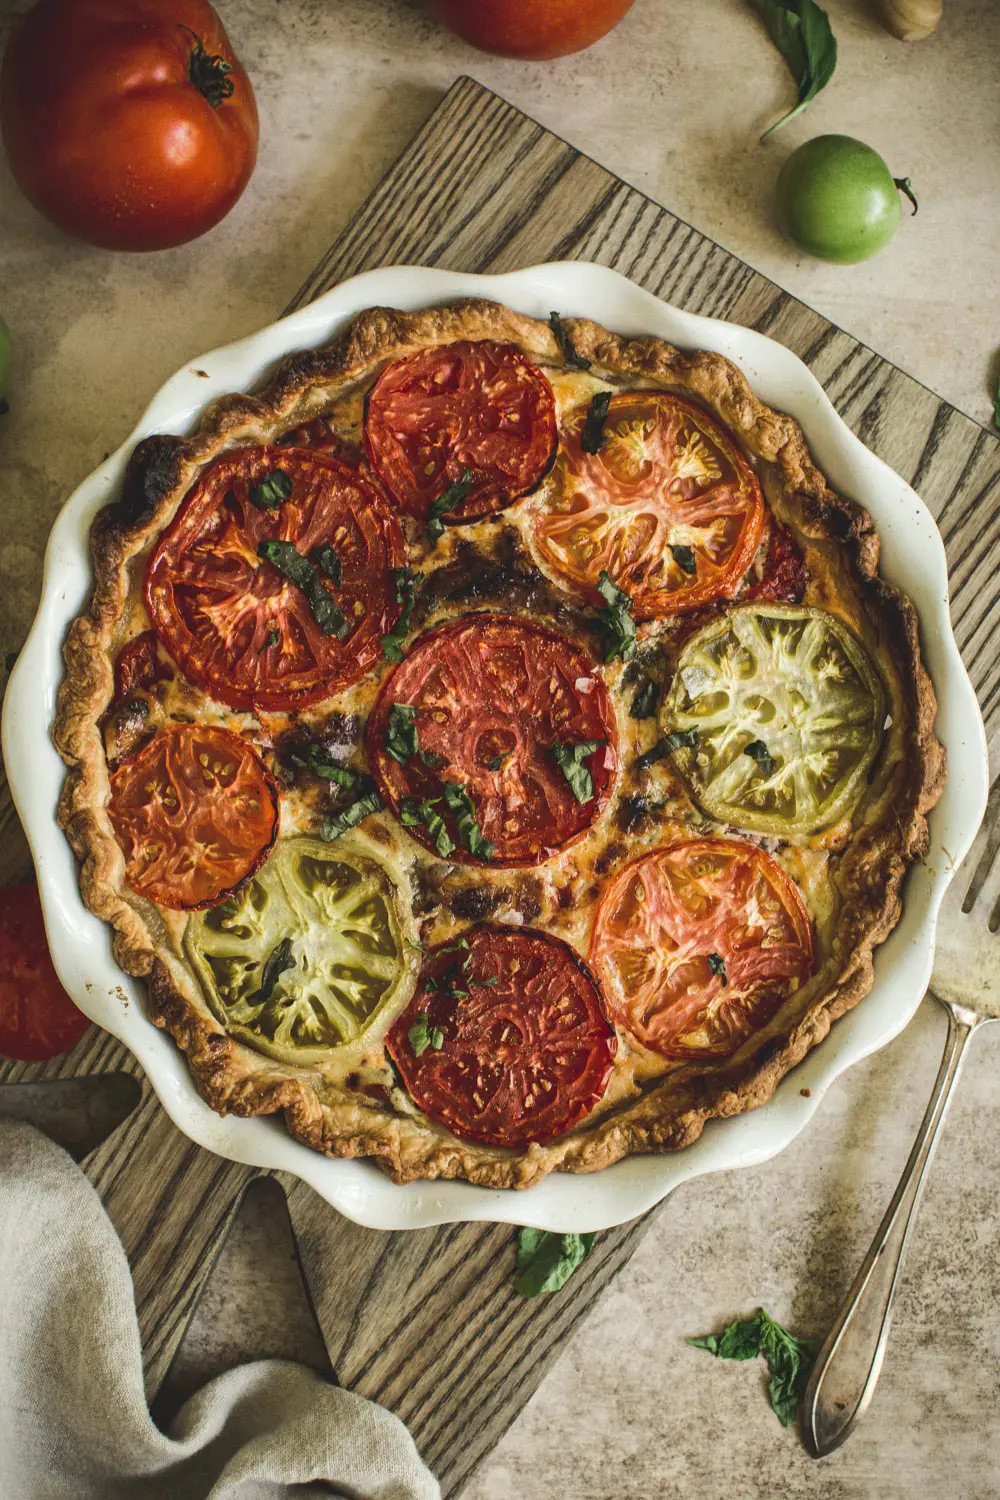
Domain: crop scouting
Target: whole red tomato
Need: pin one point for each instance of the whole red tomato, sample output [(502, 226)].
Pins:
[(129, 123), (530, 28)]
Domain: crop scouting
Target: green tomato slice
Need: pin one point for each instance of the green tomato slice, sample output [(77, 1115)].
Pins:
[(798, 688), (331, 921)]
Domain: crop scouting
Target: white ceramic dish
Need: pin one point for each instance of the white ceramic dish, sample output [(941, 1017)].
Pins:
[(913, 558)]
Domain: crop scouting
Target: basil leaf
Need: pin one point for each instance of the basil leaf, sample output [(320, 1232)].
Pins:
[(327, 769), (329, 563), (461, 804), (339, 822), (593, 436), (759, 752), (453, 495), (789, 1358), (643, 705), (677, 739), (718, 967), (271, 639), (413, 813), (405, 583), (615, 621), (421, 1035), (401, 736), (278, 960), (546, 1261), (801, 31), (433, 761), (299, 570), (684, 558), (570, 760), (496, 761), (268, 493), (569, 354)]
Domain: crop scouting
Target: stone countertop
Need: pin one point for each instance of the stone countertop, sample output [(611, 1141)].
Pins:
[(674, 101)]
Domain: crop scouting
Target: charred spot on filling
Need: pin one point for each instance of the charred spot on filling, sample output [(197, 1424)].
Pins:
[(504, 576), (610, 856), (527, 898), (474, 903), (291, 748), (125, 728), (632, 813)]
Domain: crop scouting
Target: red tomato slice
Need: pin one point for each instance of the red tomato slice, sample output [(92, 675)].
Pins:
[(477, 407), (782, 574), (667, 912), (196, 813), (492, 695), (38, 1020), (238, 627), (526, 1051), (667, 476), (138, 666)]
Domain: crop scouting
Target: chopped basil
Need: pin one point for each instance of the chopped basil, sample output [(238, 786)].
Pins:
[(327, 769), (414, 813), (452, 496), (299, 570), (278, 960), (566, 343), (462, 805), (496, 761), (718, 967), (405, 583), (593, 436), (546, 1261), (422, 1035), (789, 1358), (401, 736), (570, 760), (677, 739), (615, 620), (460, 945), (759, 752), (433, 761), (268, 493), (339, 822), (419, 946), (271, 639), (684, 558), (643, 705), (329, 563)]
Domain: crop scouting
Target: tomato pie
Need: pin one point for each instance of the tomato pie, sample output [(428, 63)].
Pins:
[(494, 744)]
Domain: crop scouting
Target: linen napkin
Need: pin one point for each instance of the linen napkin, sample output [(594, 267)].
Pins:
[(74, 1424)]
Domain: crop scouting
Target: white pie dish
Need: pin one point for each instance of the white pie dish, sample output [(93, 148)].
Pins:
[(913, 559)]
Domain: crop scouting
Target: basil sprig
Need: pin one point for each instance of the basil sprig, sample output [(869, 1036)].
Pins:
[(759, 752), (801, 31), (569, 353), (337, 823), (789, 1358), (268, 493), (405, 583), (401, 736), (546, 1261), (278, 960), (470, 835), (414, 813), (570, 760), (452, 496), (304, 574), (677, 739), (422, 1035), (615, 620), (593, 436)]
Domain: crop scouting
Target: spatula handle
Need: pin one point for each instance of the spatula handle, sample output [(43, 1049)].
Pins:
[(848, 1365)]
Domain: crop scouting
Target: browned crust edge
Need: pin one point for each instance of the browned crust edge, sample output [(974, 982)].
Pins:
[(227, 1076)]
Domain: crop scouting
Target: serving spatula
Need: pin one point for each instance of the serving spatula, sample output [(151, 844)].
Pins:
[(966, 981)]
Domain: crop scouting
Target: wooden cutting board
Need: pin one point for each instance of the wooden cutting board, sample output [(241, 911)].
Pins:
[(427, 1322)]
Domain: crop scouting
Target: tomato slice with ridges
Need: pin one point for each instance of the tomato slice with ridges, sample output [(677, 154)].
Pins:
[(667, 476), (196, 813), (234, 624), (38, 1020), (525, 1051), (697, 944), (493, 694), (474, 407)]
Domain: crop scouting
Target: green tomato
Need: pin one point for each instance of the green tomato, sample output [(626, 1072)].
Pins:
[(5, 359), (838, 200)]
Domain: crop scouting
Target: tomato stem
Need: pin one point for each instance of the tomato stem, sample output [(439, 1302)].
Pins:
[(208, 73), (903, 183)]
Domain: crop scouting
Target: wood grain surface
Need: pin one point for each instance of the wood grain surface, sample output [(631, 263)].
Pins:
[(428, 1322)]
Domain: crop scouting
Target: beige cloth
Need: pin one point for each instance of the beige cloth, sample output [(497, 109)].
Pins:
[(74, 1424)]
